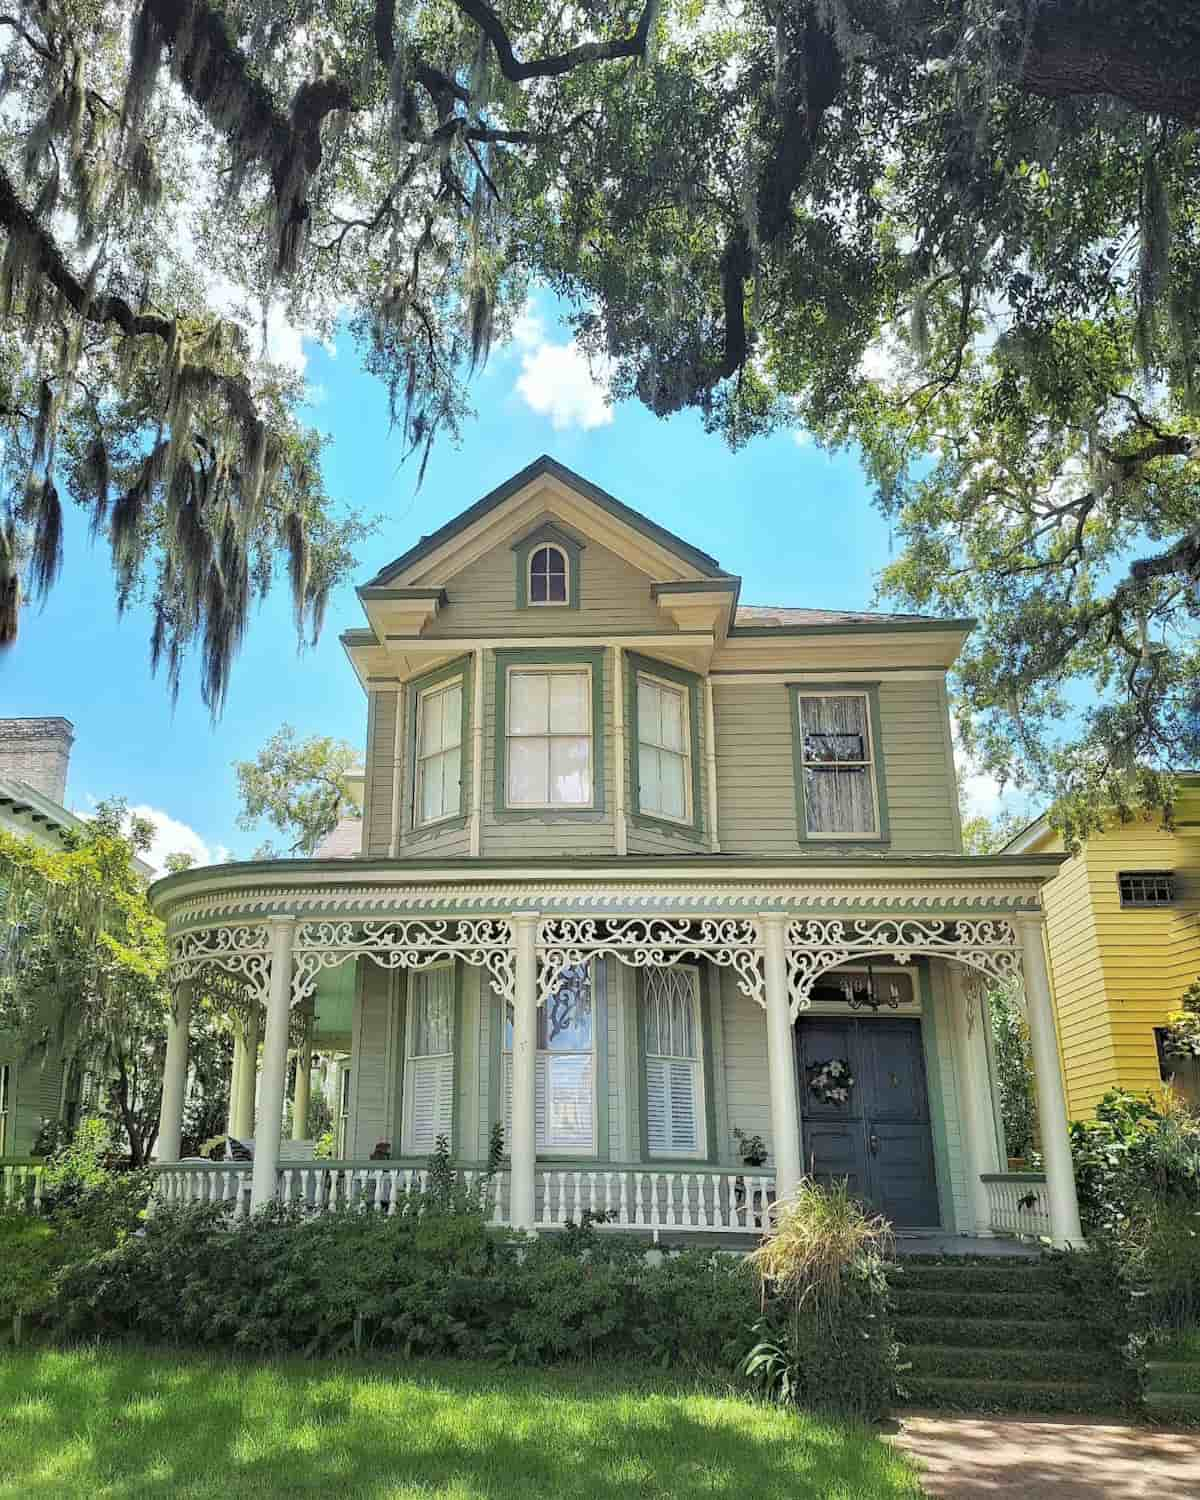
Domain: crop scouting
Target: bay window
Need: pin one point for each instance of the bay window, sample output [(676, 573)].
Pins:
[(429, 1059), (664, 770), (438, 791), (674, 1061), (565, 1068), (549, 738)]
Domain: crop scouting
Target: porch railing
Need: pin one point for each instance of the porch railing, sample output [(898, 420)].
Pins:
[(1019, 1203), (620, 1197), (21, 1184)]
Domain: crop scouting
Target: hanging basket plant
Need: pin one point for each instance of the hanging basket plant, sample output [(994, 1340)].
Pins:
[(831, 1081)]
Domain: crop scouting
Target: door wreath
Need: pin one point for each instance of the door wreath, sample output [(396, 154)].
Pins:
[(831, 1081)]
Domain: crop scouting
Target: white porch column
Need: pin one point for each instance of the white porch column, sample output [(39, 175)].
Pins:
[(302, 1093), (974, 1097), (522, 1149), (781, 1058), (247, 1079), (1052, 1102), (170, 1126), (274, 1068)]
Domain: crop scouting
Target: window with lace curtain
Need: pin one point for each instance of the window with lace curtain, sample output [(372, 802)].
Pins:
[(673, 1048), (836, 754), (565, 1108), (429, 1059)]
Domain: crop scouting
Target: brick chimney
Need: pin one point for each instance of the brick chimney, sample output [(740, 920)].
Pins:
[(36, 751)]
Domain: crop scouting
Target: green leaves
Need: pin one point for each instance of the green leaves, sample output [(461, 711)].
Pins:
[(299, 787)]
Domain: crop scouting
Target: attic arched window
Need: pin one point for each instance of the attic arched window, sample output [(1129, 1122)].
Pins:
[(549, 580)]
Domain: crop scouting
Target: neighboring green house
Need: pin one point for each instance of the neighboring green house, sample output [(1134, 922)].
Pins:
[(644, 872), (34, 756)]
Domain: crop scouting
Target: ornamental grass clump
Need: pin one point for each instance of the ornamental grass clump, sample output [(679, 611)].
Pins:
[(825, 1341)]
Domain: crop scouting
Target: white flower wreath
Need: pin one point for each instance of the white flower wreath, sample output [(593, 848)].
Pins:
[(831, 1081)]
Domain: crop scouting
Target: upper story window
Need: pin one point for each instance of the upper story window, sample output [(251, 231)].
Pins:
[(565, 1106), (664, 767), (1146, 887), (429, 1061), (549, 576), (674, 1071), (838, 790), (438, 792), (549, 738)]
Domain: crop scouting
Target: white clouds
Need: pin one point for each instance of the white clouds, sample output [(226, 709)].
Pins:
[(173, 837), (981, 791), (556, 381)]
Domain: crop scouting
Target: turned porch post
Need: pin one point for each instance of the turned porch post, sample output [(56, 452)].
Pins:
[(302, 1093), (781, 1058), (1051, 1099), (274, 1067), (974, 1097), (522, 1149), (175, 1065)]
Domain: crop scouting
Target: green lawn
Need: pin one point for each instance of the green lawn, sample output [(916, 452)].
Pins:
[(107, 1423)]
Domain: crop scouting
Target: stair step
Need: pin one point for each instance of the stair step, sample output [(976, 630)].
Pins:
[(966, 1394), (1005, 1364), (981, 1277), (992, 1333), (969, 1303), (1173, 1404)]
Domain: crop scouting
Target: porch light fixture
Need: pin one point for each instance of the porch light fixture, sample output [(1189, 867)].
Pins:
[(870, 995)]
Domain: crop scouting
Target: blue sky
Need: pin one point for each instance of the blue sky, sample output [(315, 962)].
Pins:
[(796, 523)]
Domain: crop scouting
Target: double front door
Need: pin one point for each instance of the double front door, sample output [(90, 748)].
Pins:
[(865, 1113)]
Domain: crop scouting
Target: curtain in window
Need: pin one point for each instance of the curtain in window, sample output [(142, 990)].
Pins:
[(663, 748), (549, 739), (439, 753), (835, 742), (429, 1082), (674, 1080), (565, 1068)]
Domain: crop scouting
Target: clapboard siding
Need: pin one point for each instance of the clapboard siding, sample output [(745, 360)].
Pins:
[(747, 1091), (941, 998), (376, 1067), (383, 725), (756, 782), (481, 600), (1118, 971)]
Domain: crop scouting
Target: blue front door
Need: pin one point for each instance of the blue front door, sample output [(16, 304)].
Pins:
[(865, 1113)]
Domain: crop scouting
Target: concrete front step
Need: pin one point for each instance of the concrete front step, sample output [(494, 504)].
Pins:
[(991, 1333), (967, 1302), (997, 1363), (967, 1394)]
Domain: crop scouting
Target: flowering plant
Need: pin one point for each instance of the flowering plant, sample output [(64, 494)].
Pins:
[(831, 1081)]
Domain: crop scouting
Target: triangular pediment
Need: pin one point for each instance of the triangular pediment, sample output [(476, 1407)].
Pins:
[(549, 493)]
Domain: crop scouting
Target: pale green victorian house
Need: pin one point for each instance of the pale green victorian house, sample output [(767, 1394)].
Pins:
[(645, 873)]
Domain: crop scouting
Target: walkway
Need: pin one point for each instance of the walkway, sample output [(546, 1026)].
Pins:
[(1049, 1458)]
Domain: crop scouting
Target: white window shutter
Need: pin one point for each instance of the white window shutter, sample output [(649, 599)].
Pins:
[(671, 1096), (567, 1123), (658, 1113)]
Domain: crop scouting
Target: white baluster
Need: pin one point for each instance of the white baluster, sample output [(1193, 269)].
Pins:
[(546, 1216)]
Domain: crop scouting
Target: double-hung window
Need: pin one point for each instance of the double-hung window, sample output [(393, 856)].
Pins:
[(674, 1061), (429, 1059), (343, 1121), (837, 765), (438, 792), (664, 767), (565, 1068), (549, 737)]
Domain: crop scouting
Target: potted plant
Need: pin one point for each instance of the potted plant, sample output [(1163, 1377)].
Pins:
[(753, 1151)]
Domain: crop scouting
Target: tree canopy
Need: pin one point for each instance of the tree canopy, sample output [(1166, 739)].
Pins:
[(959, 234), (300, 787)]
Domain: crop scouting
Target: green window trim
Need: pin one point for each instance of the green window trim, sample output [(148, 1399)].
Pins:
[(869, 691), (711, 1154), (464, 667), (693, 827), (553, 536), (600, 1048), (556, 656)]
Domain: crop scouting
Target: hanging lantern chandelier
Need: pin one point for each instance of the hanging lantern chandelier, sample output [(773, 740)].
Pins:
[(869, 994)]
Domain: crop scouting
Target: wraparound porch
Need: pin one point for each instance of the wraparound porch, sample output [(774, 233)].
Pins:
[(775, 933)]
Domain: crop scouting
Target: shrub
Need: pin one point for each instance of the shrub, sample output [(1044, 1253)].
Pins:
[(825, 1339), (1139, 1150)]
